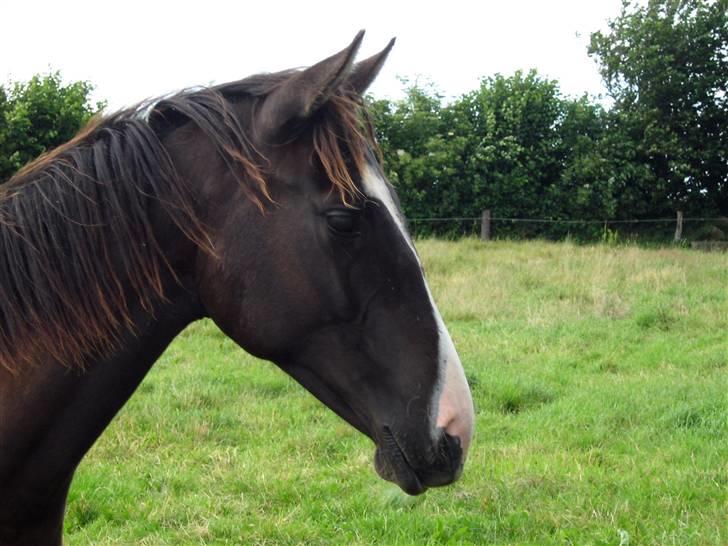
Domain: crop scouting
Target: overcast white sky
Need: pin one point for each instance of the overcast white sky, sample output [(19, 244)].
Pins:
[(135, 49)]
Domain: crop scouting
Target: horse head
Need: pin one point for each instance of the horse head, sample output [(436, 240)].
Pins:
[(314, 269)]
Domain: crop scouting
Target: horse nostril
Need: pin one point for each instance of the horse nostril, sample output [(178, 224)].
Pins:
[(458, 430), (448, 464), (451, 451)]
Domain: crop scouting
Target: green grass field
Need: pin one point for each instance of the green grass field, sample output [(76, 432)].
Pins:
[(600, 379)]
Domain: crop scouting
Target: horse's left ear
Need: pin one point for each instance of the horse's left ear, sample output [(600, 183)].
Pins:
[(365, 72), (297, 98)]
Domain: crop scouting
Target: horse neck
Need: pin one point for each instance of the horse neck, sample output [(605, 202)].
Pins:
[(50, 414)]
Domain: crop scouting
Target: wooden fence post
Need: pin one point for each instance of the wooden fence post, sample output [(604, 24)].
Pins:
[(485, 226), (679, 226)]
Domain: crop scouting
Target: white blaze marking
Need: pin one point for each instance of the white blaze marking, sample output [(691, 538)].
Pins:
[(452, 395)]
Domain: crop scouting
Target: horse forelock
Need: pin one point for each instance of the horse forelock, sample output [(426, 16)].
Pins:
[(342, 135), (343, 142)]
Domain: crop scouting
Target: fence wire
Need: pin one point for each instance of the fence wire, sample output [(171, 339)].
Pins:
[(656, 230), (557, 221)]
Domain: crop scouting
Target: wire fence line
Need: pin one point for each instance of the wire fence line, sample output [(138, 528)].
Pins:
[(677, 228), (557, 221)]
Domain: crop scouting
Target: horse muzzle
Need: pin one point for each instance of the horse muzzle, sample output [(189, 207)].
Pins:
[(415, 470)]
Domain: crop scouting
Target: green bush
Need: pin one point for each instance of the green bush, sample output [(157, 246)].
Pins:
[(38, 115)]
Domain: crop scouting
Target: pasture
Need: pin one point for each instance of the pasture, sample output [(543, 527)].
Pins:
[(600, 379)]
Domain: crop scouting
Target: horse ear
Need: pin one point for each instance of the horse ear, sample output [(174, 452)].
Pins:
[(298, 97), (365, 72)]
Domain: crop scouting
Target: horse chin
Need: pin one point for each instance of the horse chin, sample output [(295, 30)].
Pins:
[(391, 465)]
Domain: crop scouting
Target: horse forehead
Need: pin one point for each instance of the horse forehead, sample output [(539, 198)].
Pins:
[(374, 183), (375, 186)]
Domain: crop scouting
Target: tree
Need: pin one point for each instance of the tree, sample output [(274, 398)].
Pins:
[(422, 152), (39, 115), (516, 160), (666, 66), (515, 145), (587, 185)]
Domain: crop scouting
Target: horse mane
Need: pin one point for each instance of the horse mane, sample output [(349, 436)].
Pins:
[(76, 235)]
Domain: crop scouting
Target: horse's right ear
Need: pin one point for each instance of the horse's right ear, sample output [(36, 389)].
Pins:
[(364, 72), (298, 97)]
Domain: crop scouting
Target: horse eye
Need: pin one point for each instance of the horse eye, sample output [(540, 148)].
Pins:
[(343, 221)]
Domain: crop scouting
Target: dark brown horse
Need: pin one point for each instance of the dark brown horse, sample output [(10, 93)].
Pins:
[(260, 204)]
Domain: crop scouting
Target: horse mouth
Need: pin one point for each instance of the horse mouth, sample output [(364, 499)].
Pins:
[(393, 464)]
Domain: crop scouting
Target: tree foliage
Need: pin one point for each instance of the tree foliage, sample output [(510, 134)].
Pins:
[(666, 66), (515, 145), (38, 115), (518, 146)]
